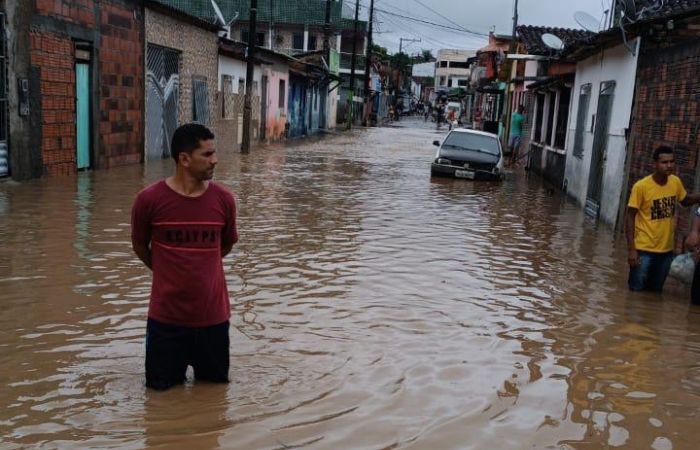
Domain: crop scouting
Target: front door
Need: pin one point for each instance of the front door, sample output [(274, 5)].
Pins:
[(263, 108), (82, 114), (600, 145)]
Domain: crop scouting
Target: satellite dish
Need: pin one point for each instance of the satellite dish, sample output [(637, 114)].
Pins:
[(587, 21), (219, 15), (552, 41)]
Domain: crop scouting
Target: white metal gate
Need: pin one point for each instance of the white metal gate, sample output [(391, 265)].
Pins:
[(4, 154), (162, 96)]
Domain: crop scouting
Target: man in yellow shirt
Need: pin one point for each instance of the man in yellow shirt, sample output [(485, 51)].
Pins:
[(651, 222)]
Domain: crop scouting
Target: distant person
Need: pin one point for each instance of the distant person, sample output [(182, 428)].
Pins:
[(450, 117), (516, 133), (651, 223), (440, 114), (477, 118), (181, 228)]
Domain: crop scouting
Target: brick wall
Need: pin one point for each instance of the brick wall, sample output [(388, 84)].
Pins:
[(80, 12), (120, 80), (667, 109), (199, 57), (121, 86), (53, 54)]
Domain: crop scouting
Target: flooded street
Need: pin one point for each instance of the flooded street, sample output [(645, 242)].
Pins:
[(372, 308)]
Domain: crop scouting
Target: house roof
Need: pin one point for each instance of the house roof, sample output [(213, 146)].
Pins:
[(647, 15), (531, 37), (238, 50), (299, 12), (646, 9), (181, 15)]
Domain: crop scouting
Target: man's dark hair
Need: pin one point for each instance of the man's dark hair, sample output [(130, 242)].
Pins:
[(662, 150), (187, 139)]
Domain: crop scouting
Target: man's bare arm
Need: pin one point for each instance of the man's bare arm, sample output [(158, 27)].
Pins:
[(691, 199), (632, 255), (143, 251)]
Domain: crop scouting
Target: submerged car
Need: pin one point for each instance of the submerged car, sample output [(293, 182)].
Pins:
[(470, 154)]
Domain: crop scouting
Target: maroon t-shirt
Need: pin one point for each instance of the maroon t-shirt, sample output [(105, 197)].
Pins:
[(186, 235)]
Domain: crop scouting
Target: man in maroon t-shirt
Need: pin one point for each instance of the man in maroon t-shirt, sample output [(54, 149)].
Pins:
[(181, 228)]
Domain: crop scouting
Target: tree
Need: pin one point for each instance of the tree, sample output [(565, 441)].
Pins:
[(427, 55), (380, 51)]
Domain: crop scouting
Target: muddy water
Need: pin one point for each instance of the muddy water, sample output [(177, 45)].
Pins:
[(373, 308)]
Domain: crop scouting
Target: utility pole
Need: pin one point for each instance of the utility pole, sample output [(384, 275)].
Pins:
[(327, 31), (351, 99), (249, 73), (509, 107), (401, 41), (269, 40), (515, 26), (405, 75), (368, 64)]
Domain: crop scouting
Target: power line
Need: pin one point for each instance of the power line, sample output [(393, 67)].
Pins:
[(444, 17), (427, 22)]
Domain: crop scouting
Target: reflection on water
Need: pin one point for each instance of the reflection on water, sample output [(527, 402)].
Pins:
[(373, 307)]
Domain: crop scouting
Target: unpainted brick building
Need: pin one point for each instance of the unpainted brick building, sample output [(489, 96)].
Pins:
[(667, 104), (75, 85)]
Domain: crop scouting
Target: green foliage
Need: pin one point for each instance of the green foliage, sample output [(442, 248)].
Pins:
[(427, 55)]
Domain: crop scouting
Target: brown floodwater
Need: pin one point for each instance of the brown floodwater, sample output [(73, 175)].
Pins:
[(373, 308)]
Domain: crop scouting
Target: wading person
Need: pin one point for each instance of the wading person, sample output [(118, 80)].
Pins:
[(181, 228), (651, 223), (516, 133)]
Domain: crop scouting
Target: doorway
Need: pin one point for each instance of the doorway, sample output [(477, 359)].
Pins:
[(263, 108), (600, 145), (83, 131)]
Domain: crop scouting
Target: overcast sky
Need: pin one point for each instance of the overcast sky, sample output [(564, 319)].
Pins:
[(480, 16)]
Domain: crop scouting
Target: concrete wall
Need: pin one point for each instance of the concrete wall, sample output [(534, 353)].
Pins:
[(231, 129), (619, 65), (236, 69), (199, 58), (24, 133), (276, 118)]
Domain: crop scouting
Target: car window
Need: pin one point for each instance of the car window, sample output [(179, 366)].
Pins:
[(469, 141)]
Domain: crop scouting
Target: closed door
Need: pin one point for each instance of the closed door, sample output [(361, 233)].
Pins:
[(263, 108), (600, 145), (82, 113)]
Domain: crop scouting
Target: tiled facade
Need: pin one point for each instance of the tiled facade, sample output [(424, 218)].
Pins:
[(199, 51)]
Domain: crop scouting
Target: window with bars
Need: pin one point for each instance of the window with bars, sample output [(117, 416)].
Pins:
[(562, 118), (298, 41), (539, 118), (583, 105), (282, 94), (200, 100)]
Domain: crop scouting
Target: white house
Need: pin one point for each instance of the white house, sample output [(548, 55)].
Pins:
[(600, 117)]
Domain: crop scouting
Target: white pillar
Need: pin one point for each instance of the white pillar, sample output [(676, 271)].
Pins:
[(306, 39), (337, 42)]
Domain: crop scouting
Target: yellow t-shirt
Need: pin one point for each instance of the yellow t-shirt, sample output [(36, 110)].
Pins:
[(655, 224)]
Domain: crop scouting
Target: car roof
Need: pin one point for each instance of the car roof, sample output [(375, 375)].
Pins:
[(477, 132)]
